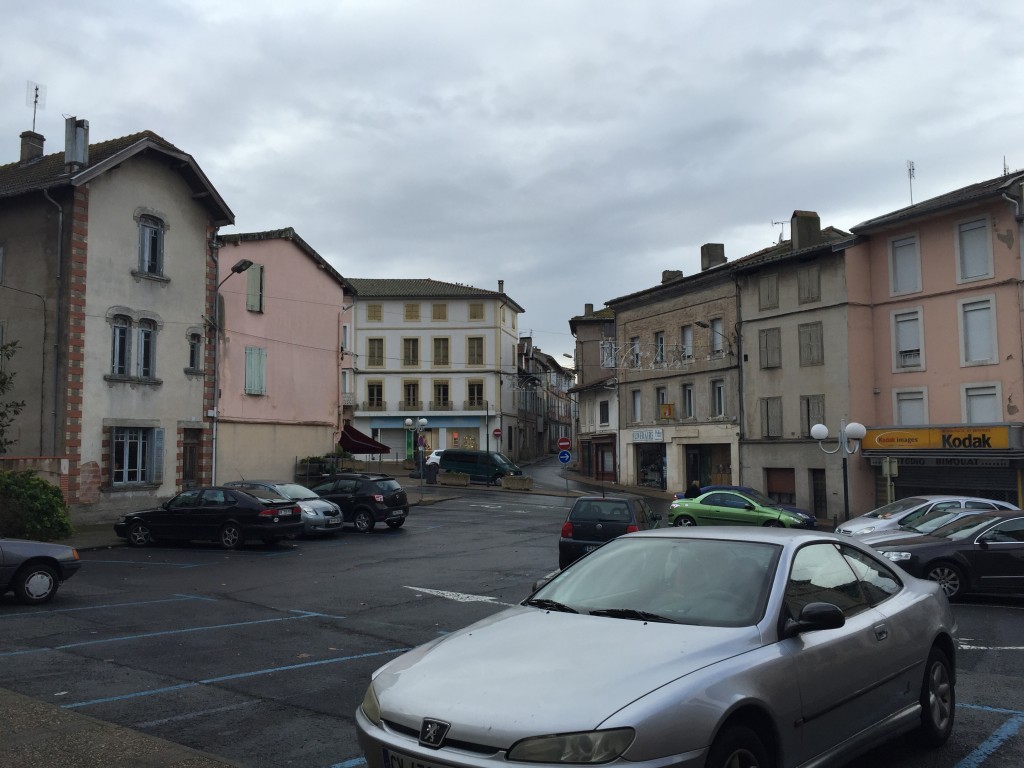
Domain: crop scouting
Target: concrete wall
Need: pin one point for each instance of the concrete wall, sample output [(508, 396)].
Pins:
[(267, 451)]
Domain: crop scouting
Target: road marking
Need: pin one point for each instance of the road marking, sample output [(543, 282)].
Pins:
[(224, 678), (460, 597), (989, 746), (191, 715), (175, 599), (963, 647)]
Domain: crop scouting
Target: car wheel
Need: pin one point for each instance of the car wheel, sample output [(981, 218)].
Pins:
[(36, 583), (231, 536), (395, 524), (773, 524), (938, 700), (949, 577), (738, 747), (139, 535), (684, 520), (363, 520)]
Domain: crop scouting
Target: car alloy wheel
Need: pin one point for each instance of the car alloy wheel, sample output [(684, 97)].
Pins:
[(36, 584), (948, 577), (738, 747), (363, 521), (230, 536), (773, 524), (684, 520), (139, 535), (938, 700)]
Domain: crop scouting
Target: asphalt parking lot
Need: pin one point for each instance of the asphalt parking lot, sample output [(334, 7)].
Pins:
[(260, 657)]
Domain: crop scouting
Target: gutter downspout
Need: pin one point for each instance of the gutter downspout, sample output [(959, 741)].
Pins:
[(59, 329), (1019, 216), (739, 380), (214, 248)]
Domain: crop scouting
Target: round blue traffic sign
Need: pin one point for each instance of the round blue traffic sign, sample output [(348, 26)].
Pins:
[(564, 456)]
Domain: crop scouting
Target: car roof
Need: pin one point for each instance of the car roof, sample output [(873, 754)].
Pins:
[(602, 498), (779, 536), (359, 475)]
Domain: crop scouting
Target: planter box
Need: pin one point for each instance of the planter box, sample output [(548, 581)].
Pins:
[(453, 478), (517, 483)]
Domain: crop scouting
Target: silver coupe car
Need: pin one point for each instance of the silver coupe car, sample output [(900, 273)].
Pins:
[(720, 647)]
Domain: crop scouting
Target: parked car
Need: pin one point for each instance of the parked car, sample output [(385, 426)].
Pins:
[(34, 570), (903, 511), (750, 493), (920, 527), (727, 630), (594, 520), (230, 516), (366, 499), (434, 457), (481, 466), (977, 554), (736, 508), (319, 515)]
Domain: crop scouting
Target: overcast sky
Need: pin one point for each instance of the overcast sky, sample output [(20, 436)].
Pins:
[(572, 148)]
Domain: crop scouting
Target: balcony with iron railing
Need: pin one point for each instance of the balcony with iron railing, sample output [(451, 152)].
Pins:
[(375, 405), (910, 358), (439, 405)]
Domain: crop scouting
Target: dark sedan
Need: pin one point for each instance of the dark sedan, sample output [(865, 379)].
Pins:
[(595, 520), (977, 554), (34, 569), (229, 516)]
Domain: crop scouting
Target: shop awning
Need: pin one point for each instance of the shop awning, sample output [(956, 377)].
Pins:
[(354, 441)]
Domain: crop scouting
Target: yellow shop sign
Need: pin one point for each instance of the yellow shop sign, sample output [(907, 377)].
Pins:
[(937, 439)]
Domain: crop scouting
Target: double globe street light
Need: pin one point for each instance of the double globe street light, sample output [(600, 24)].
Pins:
[(850, 435), (415, 427)]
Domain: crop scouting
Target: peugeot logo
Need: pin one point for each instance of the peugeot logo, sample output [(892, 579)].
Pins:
[(432, 733)]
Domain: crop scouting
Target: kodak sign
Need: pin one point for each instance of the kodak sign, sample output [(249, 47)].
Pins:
[(937, 438)]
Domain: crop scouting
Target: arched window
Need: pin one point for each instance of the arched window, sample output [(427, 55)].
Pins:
[(195, 351), (147, 349), (121, 346), (151, 245)]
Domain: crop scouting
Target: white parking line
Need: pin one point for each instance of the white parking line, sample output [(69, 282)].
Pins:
[(459, 597)]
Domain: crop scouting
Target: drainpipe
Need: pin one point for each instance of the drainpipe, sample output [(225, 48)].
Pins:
[(59, 329), (1019, 216), (214, 248)]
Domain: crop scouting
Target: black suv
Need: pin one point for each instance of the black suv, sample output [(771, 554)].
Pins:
[(594, 520), (366, 499)]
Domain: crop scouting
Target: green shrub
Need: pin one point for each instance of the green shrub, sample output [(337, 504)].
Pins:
[(31, 508)]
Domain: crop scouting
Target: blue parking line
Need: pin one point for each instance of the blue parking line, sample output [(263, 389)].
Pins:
[(175, 599), (988, 747), (164, 633), (224, 678), (350, 763)]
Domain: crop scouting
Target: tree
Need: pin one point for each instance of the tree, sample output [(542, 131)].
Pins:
[(8, 408)]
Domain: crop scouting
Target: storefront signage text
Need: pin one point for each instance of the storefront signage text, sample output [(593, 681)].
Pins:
[(648, 435), (938, 438)]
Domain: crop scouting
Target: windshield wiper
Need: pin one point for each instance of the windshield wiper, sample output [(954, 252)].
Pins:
[(632, 613), (550, 605)]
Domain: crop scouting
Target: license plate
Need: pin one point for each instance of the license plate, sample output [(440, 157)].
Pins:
[(284, 513), (589, 547), (395, 760), (333, 521)]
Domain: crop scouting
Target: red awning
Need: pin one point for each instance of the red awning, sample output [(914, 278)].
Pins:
[(354, 441)]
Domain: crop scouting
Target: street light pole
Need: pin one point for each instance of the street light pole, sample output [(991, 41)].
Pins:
[(415, 429), (848, 441)]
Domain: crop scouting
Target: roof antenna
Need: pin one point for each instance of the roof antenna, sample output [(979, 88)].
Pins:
[(910, 178), (35, 97), (782, 229), (1006, 168)]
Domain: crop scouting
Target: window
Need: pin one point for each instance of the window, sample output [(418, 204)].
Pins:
[(136, 455), (977, 332), (717, 337), (607, 354), (771, 417), (770, 347), (812, 411), (717, 397), (476, 311), (119, 362), (375, 352), (442, 353), (442, 397), (768, 292), (438, 311), (687, 401), (195, 352), (812, 351), (821, 574), (374, 313), (410, 352), (375, 395), (636, 412), (130, 337), (146, 364), (808, 283), (686, 341), (255, 371), (411, 395), (907, 332), (911, 408), (151, 245), (981, 404), (973, 250), (666, 410), (254, 288), (904, 265), (412, 313), (475, 393), (877, 581), (659, 347), (602, 409), (634, 352), (475, 350)]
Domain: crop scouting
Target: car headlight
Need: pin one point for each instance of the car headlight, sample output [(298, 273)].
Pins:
[(584, 747), (862, 531), (897, 556), (307, 510), (370, 705)]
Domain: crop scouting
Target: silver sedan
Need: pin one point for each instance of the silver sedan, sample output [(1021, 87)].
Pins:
[(719, 647)]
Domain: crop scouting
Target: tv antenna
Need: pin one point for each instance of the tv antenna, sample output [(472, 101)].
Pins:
[(35, 97), (910, 178), (782, 229), (1006, 168)]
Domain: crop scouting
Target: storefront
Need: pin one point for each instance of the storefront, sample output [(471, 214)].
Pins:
[(967, 460), (597, 458), (649, 457)]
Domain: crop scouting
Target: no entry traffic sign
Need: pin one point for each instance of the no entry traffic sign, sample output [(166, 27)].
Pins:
[(564, 443)]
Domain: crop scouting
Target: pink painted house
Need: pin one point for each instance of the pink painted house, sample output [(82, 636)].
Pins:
[(284, 375)]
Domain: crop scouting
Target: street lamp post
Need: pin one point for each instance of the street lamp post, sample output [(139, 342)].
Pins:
[(415, 428), (848, 441)]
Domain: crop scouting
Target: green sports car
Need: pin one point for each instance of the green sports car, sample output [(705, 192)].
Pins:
[(734, 508)]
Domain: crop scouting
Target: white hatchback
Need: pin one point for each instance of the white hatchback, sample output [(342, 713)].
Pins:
[(905, 511)]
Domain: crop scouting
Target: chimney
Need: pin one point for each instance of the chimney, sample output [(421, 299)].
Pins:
[(76, 144), (501, 286), (31, 145), (668, 275), (805, 229), (588, 309), (711, 255)]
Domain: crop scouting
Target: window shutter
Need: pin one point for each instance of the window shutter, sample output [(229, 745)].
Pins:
[(156, 458), (254, 292)]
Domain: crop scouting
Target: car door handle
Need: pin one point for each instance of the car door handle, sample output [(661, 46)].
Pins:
[(881, 632)]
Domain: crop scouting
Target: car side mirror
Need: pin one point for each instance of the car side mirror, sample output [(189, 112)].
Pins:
[(748, 505), (814, 617)]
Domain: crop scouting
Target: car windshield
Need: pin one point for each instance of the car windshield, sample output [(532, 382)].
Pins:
[(295, 491), (266, 494), (704, 582), (965, 527), (757, 496), (387, 486), (599, 511), (501, 461), (929, 523), (896, 507)]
